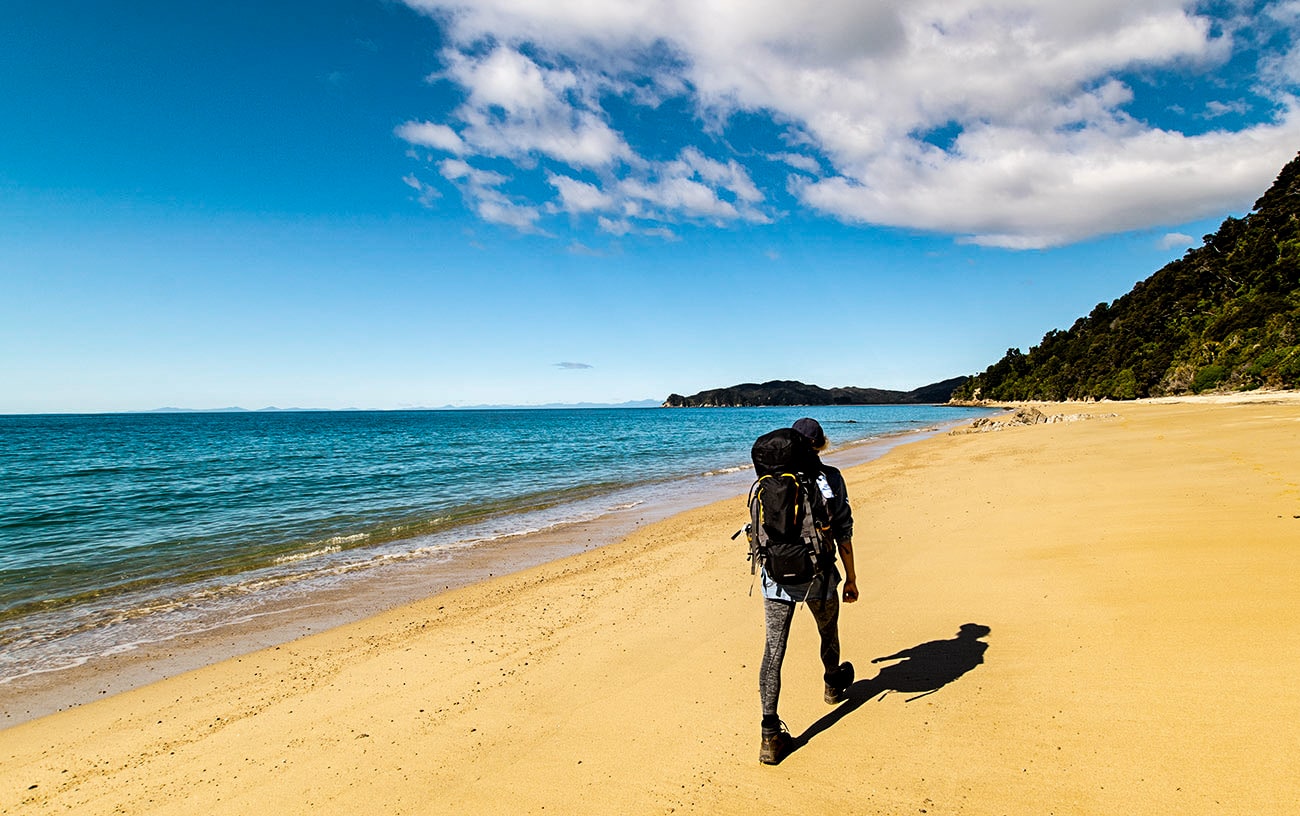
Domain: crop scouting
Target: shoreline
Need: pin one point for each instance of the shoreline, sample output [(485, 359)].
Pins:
[(1133, 577), (378, 590)]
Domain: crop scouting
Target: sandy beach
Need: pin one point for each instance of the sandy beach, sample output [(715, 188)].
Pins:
[(1137, 572)]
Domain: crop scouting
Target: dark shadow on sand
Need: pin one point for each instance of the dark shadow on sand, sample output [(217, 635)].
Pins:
[(922, 670)]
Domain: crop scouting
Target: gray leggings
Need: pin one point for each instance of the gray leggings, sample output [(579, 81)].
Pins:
[(779, 615)]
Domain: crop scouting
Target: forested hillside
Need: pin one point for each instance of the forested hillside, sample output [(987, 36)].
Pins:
[(789, 392), (1224, 316)]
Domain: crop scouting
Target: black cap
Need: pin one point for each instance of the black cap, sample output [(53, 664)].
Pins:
[(812, 429)]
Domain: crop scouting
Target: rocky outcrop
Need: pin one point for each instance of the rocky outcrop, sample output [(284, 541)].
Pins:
[(1022, 416)]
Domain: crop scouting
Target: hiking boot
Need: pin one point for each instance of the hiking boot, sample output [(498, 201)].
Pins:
[(838, 682), (775, 746)]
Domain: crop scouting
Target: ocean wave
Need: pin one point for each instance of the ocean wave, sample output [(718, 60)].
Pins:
[(330, 550), (724, 471)]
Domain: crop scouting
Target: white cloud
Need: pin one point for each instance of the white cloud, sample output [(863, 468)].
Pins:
[(680, 193), (615, 226), (1282, 69), (579, 196), (619, 227), (491, 204), (1031, 93), (1175, 240), (1286, 13), (458, 170), (808, 164), (427, 193), (727, 175), (1020, 190), (497, 209), (1215, 108), (517, 108), (520, 110), (692, 186), (429, 134)]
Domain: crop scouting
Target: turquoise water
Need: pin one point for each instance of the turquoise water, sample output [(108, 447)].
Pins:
[(169, 521)]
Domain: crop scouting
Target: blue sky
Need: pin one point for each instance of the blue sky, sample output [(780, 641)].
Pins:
[(379, 204)]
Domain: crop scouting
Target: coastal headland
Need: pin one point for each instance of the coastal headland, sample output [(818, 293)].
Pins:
[(1097, 616)]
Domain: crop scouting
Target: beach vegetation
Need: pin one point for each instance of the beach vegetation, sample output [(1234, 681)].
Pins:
[(1207, 378), (1224, 316)]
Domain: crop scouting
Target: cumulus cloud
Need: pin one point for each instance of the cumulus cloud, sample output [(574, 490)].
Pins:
[(1003, 122), (579, 196), (517, 108), (1173, 240), (697, 187), (429, 134), (1006, 190)]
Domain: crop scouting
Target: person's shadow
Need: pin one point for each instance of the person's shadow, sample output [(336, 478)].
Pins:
[(922, 670)]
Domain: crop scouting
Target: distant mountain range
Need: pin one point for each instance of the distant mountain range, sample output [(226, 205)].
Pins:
[(790, 392), (234, 409), (646, 403)]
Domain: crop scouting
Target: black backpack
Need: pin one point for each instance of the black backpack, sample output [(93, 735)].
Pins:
[(789, 521)]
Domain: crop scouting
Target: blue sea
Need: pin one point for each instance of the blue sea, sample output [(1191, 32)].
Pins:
[(119, 531)]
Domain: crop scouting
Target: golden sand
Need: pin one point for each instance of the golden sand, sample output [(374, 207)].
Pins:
[(1138, 575)]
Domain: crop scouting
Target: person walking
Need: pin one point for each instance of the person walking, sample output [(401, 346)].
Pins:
[(822, 596)]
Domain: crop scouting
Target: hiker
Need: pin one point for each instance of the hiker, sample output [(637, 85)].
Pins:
[(822, 598)]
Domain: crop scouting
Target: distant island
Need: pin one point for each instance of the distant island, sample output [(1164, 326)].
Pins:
[(1224, 317), (790, 392)]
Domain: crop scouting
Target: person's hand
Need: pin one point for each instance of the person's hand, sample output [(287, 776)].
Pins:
[(850, 591)]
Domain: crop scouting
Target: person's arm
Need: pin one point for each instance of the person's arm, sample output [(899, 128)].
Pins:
[(842, 529), (838, 506), (850, 574)]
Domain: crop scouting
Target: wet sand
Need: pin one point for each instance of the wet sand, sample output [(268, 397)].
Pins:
[(1136, 578)]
